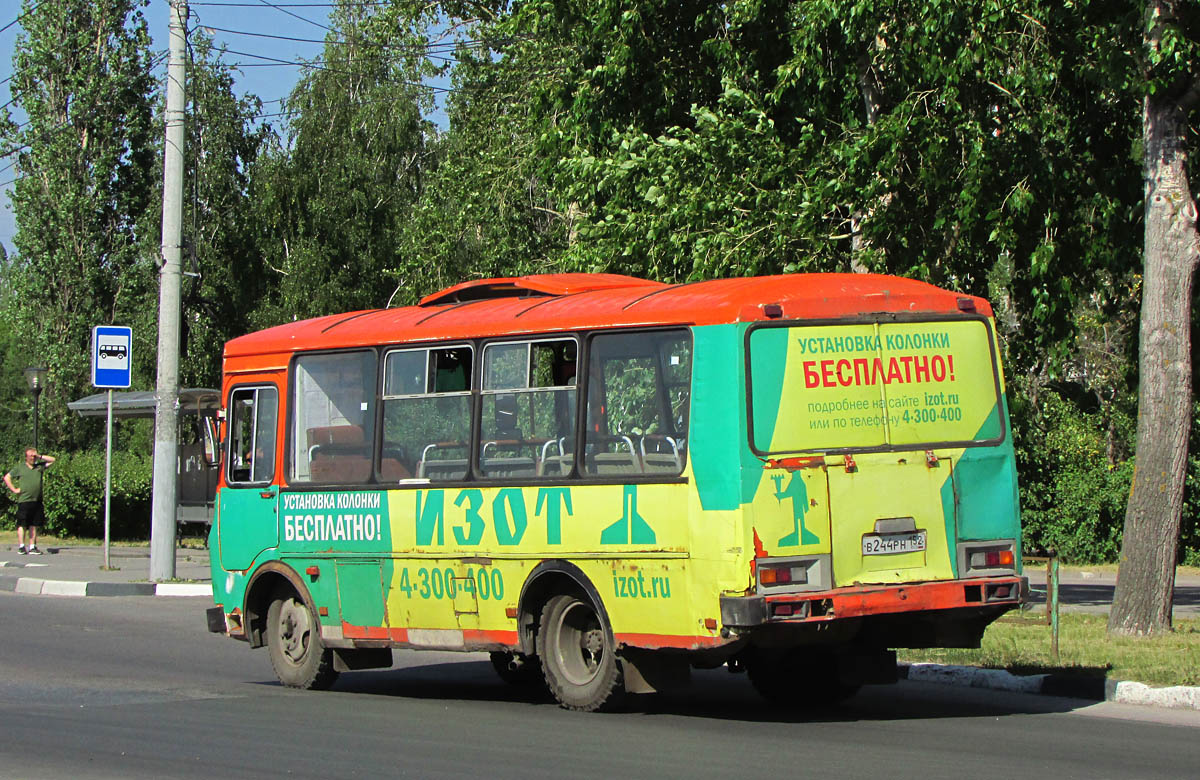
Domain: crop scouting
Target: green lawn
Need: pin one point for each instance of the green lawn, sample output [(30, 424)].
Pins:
[(1021, 643)]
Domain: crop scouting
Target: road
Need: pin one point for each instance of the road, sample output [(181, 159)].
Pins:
[(136, 688)]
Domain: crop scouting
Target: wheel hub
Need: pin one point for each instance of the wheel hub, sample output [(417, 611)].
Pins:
[(294, 628)]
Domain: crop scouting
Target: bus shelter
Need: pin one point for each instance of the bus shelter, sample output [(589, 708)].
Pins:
[(196, 486)]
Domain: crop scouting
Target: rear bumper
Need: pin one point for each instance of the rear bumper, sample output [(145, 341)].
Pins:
[(868, 600)]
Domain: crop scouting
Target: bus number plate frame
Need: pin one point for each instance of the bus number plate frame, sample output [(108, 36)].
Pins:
[(894, 544)]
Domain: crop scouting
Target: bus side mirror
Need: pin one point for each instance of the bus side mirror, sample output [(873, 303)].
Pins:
[(211, 456)]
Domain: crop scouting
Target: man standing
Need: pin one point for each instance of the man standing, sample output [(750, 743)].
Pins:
[(25, 481)]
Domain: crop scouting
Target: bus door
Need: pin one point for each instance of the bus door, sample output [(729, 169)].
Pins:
[(247, 505), (889, 520)]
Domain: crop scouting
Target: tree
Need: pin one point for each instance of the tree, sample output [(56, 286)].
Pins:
[(334, 200), (486, 208), (81, 73), (1171, 250), (226, 278)]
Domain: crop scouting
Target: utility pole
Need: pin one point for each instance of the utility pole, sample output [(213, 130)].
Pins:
[(166, 415)]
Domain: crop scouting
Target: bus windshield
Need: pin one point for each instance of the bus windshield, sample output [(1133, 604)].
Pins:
[(873, 386)]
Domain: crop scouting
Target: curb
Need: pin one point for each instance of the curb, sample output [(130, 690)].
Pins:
[(39, 587), (1177, 697)]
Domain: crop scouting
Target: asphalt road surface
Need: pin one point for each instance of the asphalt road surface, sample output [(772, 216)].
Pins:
[(136, 688)]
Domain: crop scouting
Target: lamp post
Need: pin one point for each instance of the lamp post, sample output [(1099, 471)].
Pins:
[(36, 377)]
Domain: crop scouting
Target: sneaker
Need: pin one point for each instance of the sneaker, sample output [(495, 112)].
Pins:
[(21, 550), (34, 550)]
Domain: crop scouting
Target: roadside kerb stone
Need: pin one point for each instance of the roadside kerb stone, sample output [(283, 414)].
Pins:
[(38, 587), (1124, 692)]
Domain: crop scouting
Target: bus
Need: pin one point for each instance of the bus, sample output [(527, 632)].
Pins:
[(606, 482)]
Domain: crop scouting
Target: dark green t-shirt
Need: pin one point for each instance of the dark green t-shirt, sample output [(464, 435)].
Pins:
[(29, 480)]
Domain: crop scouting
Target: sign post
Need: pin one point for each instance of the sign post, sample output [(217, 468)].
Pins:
[(111, 362)]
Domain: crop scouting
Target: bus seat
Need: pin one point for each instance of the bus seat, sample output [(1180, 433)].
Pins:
[(341, 469), (613, 463), (452, 468), (663, 458), (335, 436), (517, 466), (555, 465), (623, 461), (392, 470)]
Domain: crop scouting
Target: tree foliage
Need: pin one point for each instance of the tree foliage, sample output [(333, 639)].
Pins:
[(989, 146), (82, 75), (335, 196)]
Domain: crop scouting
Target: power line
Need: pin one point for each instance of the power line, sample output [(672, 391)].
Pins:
[(297, 16), (430, 47), (315, 65)]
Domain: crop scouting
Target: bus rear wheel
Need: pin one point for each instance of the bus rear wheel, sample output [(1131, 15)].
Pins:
[(578, 656), (798, 678), (298, 655)]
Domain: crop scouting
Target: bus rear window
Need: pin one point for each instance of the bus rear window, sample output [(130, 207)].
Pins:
[(815, 388)]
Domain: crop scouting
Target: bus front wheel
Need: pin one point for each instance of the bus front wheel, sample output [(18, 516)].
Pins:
[(578, 656), (298, 655)]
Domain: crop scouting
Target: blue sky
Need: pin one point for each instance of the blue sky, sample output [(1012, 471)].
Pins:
[(307, 20)]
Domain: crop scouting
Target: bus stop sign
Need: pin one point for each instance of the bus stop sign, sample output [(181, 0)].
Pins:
[(111, 359)]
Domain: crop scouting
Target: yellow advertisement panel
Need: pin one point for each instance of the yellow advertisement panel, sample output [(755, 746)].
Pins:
[(873, 385)]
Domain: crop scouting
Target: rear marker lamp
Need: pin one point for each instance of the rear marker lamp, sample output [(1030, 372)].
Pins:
[(992, 559), (783, 575)]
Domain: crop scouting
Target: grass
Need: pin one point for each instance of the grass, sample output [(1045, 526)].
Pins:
[(9, 537), (1021, 643)]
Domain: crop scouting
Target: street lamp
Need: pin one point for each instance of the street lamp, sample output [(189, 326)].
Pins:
[(36, 377)]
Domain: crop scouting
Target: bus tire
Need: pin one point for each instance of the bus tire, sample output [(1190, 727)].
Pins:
[(578, 655), (797, 679), (298, 656), (518, 669)]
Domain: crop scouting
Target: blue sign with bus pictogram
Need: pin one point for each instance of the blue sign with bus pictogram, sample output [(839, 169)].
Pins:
[(111, 359)]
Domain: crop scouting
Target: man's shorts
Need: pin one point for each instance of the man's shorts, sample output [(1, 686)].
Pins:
[(30, 513)]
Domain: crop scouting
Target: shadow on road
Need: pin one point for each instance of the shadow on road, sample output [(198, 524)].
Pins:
[(713, 694)]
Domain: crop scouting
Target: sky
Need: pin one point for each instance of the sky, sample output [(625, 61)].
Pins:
[(256, 56)]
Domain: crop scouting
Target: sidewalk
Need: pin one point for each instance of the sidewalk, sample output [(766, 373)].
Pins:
[(79, 571)]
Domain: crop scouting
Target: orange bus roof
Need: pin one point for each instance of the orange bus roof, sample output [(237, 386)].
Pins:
[(566, 302)]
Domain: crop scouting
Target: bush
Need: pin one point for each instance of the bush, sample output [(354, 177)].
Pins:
[(73, 494), (1072, 498)]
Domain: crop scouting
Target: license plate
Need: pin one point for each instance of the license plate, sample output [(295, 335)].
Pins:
[(890, 544)]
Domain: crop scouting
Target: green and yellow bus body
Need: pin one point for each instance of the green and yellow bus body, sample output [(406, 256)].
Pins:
[(618, 480)]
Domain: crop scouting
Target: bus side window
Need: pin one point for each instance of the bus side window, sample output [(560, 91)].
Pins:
[(638, 403), (426, 413), (253, 412), (333, 398), (528, 400)]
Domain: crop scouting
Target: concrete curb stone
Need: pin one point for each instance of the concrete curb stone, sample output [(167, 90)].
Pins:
[(1124, 692), (40, 587)]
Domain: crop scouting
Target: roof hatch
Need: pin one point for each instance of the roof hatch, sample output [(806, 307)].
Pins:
[(533, 285)]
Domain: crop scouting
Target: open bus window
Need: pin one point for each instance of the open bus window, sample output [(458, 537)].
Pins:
[(528, 401), (426, 413), (333, 418), (637, 406), (253, 412)]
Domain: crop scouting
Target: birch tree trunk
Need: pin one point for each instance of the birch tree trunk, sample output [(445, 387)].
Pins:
[(1146, 577)]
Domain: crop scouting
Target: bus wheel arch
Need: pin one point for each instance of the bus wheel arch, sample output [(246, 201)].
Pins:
[(563, 615), (280, 614), (547, 580), (260, 592)]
